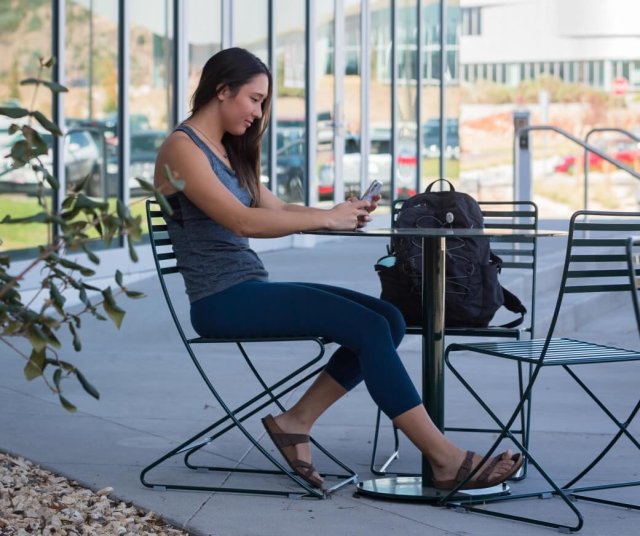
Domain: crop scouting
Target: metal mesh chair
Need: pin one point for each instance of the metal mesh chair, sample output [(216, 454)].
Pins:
[(233, 418), (519, 254), (599, 259)]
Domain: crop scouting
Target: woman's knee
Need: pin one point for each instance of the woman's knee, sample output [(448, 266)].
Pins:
[(397, 324)]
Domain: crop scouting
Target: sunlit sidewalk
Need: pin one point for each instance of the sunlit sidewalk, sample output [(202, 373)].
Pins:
[(152, 398)]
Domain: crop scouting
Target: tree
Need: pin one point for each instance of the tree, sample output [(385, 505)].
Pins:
[(23, 325)]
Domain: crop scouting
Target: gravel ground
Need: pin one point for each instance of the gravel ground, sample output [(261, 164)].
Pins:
[(34, 501)]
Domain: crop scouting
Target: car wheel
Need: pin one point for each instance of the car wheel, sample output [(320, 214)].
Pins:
[(95, 186), (295, 189)]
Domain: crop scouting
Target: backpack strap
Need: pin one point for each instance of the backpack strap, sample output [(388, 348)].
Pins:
[(451, 188), (513, 304)]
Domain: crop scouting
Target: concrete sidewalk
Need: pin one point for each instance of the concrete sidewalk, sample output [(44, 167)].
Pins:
[(152, 399)]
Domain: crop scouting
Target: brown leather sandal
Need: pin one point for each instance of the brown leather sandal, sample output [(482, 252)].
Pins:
[(281, 440), (482, 480)]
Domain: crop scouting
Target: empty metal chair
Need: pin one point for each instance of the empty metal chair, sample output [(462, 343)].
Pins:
[(598, 260), (519, 254)]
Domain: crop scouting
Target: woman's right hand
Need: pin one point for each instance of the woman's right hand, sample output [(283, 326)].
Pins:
[(348, 216)]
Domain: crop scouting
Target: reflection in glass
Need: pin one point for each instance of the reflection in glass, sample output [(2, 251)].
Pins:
[(289, 65), (452, 90), (91, 63), (351, 110), (26, 36), (150, 94), (380, 95), (430, 122), (204, 37), (251, 32), (406, 105), (324, 91)]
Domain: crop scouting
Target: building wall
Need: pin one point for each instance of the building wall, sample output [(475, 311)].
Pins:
[(539, 31)]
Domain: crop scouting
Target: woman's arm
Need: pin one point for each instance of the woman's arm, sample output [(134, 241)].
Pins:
[(269, 200), (270, 219)]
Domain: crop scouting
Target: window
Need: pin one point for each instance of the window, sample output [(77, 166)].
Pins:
[(471, 20)]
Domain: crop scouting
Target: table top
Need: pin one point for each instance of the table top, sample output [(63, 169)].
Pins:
[(439, 232)]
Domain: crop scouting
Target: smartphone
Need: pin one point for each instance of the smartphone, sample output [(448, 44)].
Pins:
[(374, 189)]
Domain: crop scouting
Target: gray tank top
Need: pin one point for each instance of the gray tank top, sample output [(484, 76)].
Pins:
[(209, 256)]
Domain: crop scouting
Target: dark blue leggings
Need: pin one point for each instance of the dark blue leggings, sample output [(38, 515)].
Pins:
[(367, 329)]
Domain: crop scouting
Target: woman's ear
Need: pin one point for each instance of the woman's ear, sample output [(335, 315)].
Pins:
[(222, 91)]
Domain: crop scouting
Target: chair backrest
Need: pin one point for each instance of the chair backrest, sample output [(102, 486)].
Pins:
[(598, 259), (163, 256), (516, 252), (633, 265)]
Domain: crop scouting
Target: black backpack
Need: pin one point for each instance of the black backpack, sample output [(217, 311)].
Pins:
[(472, 292)]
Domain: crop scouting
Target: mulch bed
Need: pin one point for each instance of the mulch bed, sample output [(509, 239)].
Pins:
[(34, 501)]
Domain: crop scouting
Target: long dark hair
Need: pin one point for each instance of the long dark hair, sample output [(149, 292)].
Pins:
[(232, 68)]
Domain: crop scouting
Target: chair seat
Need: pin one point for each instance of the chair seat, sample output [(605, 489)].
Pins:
[(489, 331), (561, 351), (204, 340)]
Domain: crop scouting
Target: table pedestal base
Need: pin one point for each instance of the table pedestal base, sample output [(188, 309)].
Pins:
[(409, 488)]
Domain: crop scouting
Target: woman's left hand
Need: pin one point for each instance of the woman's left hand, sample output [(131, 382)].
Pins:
[(373, 204)]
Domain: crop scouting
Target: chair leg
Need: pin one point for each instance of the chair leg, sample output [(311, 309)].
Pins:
[(505, 427), (276, 400), (525, 422), (233, 420), (525, 417), (623, 429), (394, 455)]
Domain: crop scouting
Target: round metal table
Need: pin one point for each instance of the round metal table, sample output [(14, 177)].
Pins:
[(419, 487)]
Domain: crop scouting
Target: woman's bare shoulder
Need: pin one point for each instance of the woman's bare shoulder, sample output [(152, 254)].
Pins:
[(176, 151)]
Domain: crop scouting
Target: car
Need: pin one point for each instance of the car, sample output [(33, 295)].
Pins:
[(144, 149), (431, 139), (82, 158), (379, 164), (290, 161)]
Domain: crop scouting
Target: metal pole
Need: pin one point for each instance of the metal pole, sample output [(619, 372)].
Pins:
[(394, 100), (365, 87), (90, 96), (419, 82), (442, 135), (311, 194), (522, 185), (124, 134), (273, 133), (338, 99), (57, 103)]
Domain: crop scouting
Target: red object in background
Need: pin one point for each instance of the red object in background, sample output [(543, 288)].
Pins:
[(628, 156), (565, 166), (619, 86), (407, 160)]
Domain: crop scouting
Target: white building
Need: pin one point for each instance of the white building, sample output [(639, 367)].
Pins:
[(588, 41)]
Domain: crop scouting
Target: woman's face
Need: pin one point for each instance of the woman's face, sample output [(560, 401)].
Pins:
[(239, 111)]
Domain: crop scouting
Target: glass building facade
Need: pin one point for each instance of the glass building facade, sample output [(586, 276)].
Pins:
[(361, 88)]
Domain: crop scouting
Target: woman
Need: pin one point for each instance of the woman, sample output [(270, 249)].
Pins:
[(216, 152)]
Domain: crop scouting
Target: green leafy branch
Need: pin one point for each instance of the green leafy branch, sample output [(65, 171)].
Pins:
[(36, 325)]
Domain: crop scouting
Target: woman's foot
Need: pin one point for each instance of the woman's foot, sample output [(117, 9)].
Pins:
[(460, 464), (291, 438)]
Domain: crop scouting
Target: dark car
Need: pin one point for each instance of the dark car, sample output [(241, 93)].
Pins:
[(290, 163), (144, 149), (431, 138)]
